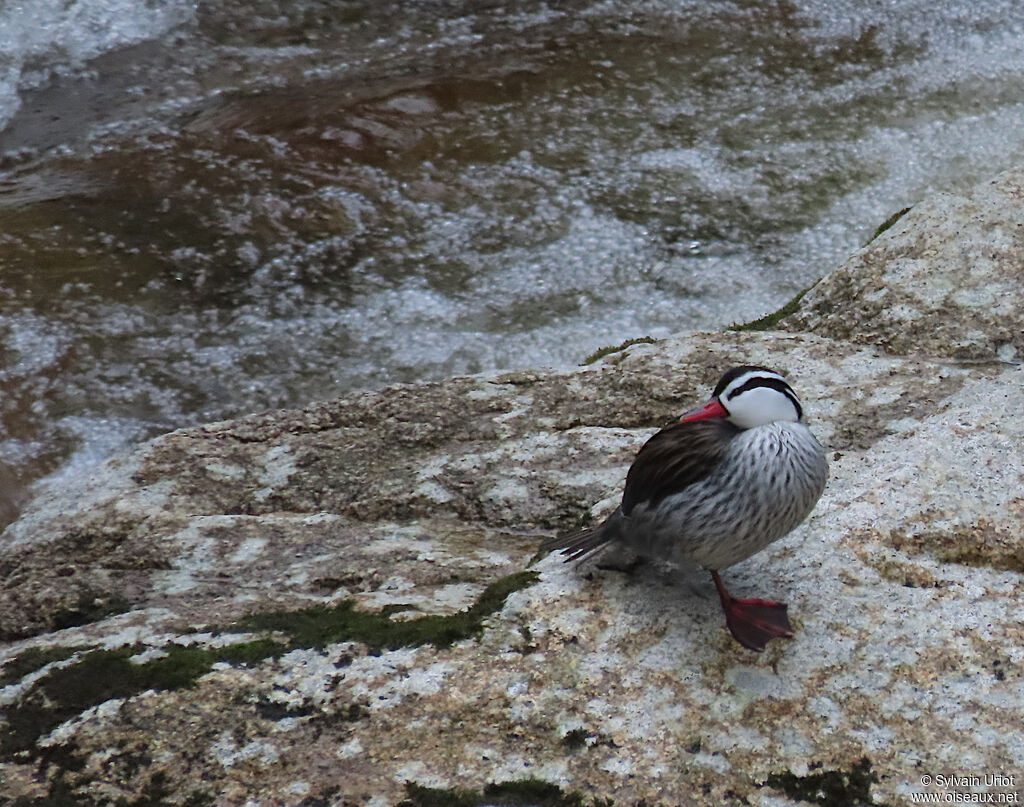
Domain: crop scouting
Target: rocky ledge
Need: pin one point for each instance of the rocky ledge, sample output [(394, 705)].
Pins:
[(343, 605)]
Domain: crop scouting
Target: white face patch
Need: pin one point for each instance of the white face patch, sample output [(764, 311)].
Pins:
[(758, 397)]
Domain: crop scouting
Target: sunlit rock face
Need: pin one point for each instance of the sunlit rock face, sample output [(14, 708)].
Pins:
[(344, 604)]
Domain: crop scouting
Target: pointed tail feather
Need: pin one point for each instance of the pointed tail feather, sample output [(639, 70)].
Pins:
[(578, 545)]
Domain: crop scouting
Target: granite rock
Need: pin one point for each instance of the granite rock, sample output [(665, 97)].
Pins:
[(945, 280), (343, 604)]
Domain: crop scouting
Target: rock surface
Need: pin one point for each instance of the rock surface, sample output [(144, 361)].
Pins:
[(342, 604), (946, 279)]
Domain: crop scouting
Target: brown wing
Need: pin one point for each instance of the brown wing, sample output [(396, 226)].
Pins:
[(675, 458)]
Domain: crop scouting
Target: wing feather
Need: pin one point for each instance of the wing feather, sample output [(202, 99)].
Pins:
[(675, 458)]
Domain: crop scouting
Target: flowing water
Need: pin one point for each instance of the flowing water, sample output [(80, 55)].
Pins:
[(210, 209)]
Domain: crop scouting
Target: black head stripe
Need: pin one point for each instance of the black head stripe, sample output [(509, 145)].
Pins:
[(772, 383), (736, 372)]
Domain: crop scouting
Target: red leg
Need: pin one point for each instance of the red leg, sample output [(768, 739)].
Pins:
[(752, 621)]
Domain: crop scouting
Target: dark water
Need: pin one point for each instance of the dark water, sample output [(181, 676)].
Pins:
[(259, 204)]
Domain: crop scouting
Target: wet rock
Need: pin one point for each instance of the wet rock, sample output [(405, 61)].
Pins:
[(343, 604)]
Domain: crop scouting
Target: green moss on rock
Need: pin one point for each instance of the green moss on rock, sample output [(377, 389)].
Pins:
[(420, 796), (103, 675), (321, 625), (601, 352), (769, 321), (32, 659), (575, 739), (885, 225), (835, 788), (520, 793)]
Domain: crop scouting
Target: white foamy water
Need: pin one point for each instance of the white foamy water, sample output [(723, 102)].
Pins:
[(40, 39), (285, 210)]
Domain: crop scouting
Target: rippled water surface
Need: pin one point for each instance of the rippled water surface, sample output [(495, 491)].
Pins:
[(205, 212)]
